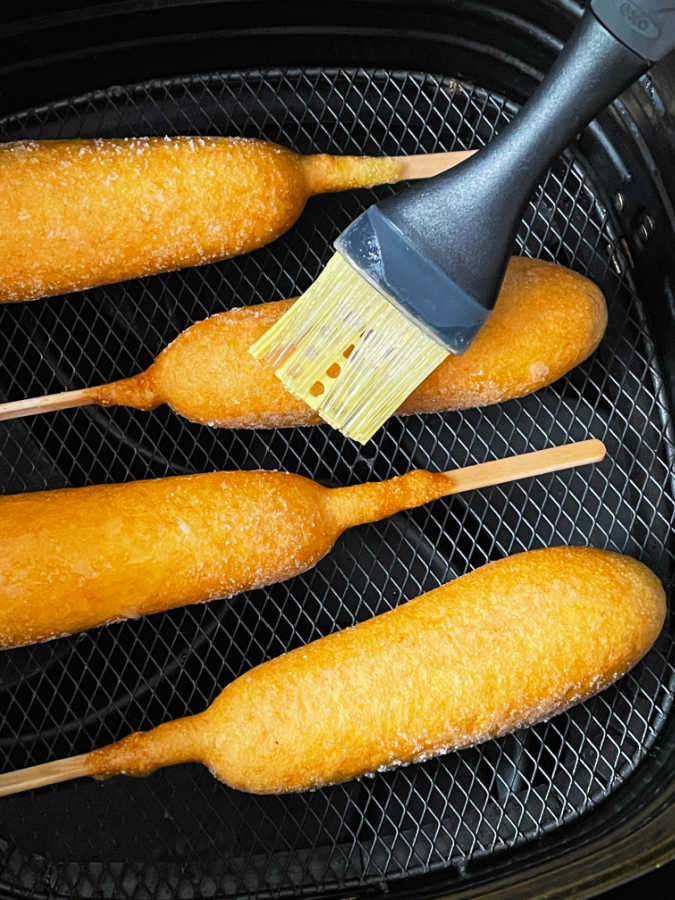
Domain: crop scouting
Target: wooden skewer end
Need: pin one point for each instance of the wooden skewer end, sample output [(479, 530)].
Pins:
[(34, 406), (47, 773), (425, 165), (527, 465)]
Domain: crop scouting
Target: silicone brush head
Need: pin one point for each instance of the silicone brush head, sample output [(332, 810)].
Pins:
[(378, 320), (348, 352)]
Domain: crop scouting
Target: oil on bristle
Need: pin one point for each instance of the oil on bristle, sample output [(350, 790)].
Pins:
[(348, 352)]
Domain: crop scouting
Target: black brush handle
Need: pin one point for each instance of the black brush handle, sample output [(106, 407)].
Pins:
[(466, 220)]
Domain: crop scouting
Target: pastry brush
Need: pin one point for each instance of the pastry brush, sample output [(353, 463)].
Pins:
[(415, 277)]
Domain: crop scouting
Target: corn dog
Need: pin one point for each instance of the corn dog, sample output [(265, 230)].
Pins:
[(507, 645), (76, 558), (547, 320), (79, 213)]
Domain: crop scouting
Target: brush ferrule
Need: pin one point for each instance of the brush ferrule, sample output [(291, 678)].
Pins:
[(412, 282)]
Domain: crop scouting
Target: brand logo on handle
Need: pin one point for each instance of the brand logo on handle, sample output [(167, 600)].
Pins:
[(638, 20)]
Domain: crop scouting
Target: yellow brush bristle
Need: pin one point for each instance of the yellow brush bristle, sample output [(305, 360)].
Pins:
[(348, 352)]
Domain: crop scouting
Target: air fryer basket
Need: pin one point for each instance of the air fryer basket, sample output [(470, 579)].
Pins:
[(567, 805)]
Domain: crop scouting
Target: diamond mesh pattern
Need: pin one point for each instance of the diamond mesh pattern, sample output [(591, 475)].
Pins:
[(180, 833)]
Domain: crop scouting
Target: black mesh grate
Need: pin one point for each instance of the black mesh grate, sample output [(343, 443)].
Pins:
[(180, 833)]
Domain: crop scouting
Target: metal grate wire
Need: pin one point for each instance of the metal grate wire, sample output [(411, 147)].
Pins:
[(180, 833)]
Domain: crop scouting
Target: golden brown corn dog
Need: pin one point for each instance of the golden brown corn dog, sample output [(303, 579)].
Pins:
[(75, 558), (78, 213), (547, 320), (507, 645)]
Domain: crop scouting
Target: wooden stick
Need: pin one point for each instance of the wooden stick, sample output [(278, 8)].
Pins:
[(49, 403), (527, 465), (47, 773), (425, 165)]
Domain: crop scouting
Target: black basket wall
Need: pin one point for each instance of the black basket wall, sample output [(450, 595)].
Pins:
[(365, 78)]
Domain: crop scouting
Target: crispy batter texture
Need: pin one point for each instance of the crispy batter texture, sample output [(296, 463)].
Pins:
[(547, 320), (507, 645), (76, 558), (80, 213)]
